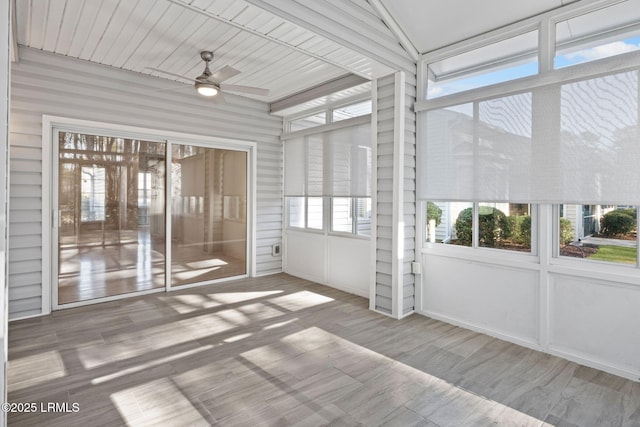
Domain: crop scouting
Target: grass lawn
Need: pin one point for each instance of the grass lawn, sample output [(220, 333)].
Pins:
[(615, 254)]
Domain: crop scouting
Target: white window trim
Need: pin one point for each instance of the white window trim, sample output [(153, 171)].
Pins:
[(354, 219), (328, 127), (327, 108), (545, 24), (476, 252)]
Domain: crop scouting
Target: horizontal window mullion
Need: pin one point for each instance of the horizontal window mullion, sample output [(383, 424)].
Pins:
[(612, 65)]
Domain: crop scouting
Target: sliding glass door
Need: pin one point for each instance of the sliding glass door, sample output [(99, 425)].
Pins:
[(111, 226), (112, 202), (208, 214)]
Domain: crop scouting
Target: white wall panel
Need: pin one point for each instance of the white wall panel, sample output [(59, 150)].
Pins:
[(590, 318), (50, 84), (306, 255), (340, 262), (349, 264), (494, 298), (596, 320)]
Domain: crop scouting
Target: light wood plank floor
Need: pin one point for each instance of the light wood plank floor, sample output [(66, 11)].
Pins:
[(280, 351)]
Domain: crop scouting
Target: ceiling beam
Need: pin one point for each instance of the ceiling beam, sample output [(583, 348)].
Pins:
[(323, 89), (323, 26), (395, 28), (183, 3)]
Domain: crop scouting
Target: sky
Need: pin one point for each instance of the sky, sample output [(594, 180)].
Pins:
[(531, 68)]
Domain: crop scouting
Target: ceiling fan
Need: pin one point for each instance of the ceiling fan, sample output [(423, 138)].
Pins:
[(210, 84)]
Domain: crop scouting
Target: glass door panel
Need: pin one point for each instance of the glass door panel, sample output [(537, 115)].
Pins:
[(208, 214), (111, 204)]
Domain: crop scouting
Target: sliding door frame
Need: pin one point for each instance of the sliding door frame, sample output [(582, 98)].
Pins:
[(51, 125)]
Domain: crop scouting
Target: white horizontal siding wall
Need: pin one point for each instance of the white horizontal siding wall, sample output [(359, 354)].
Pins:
[(56, 85), (384, 209), (409, 186), (386, 235)]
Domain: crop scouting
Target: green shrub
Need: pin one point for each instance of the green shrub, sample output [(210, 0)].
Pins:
[(566, 231), (525, 230), (617, 222), (492, 226), (631, 211), (518, 229), (464, 227)]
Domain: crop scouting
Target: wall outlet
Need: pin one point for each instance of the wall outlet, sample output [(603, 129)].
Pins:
[(275, 249)]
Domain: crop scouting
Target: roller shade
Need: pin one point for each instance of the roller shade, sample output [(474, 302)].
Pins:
[(575, 142), (331, 163)]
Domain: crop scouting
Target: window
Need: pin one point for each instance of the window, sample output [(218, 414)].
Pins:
[(505, 226), (350, 111), (315, 213), (363, 216), (506, 60), (565, 138), (297, 212), (600, 34), (479, 150), (305, 212), (342, 214), (332, 167), (335, 108), (307, 122), (93, 194), (605, 233), (351, 215)]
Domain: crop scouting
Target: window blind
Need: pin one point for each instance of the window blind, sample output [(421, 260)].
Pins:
[(572, 142), (331, 163)]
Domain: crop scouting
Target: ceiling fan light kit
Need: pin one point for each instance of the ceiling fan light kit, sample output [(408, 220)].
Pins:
[(206, 88), (210, 84)]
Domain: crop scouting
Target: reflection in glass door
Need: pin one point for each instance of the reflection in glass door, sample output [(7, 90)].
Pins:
[(111, 207), (208, 214)]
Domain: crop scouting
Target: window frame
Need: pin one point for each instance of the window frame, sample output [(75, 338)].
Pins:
[(306, 215), (354, 218), (586, 263), (328, 112), (534, 244), (545, 23), (547, 222), (327, 200)]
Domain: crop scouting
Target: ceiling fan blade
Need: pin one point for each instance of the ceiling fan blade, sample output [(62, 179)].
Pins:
[(223, 74), (170, 73), (218, 98), (245, 89)]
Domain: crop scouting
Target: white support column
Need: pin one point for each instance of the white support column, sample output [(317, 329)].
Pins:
[(374, 192), (397, 264)]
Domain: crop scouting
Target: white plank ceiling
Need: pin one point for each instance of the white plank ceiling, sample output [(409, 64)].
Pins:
[(285, 46), (271, 52)]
